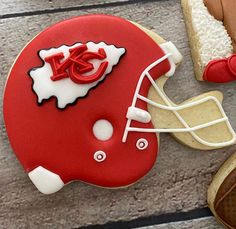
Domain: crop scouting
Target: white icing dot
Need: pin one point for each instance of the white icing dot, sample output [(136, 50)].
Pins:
[(102, 130), (99, 156), (142, 144)]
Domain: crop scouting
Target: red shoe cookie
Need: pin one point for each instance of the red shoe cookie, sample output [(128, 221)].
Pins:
[(221, 71), (211, 26)]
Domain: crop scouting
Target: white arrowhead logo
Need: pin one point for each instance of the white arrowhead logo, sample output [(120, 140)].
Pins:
[(69, 72)]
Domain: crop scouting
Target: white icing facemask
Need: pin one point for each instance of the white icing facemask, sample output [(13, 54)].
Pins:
[(134, 113)]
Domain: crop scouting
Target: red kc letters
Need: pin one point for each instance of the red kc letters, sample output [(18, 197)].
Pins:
[(77, 64)]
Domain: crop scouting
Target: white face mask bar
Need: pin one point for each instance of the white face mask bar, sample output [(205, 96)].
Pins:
[(143, 116)]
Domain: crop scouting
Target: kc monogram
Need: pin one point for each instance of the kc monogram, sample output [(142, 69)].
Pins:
[(77, 64)]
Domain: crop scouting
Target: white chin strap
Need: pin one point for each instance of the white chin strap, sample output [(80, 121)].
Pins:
[(137, 114)]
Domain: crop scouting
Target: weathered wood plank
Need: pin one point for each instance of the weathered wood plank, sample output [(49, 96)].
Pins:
[(19, 6), (177, 182), (203, 223)]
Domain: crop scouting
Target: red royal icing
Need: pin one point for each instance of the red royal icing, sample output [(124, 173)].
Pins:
[(77, 64), (221, 71), (62, 141)]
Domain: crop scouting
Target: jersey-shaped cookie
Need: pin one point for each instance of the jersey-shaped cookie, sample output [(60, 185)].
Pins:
[(211, 26), (77, 104)]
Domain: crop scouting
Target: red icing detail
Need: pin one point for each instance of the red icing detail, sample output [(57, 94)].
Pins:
[(77, 77), (221, 71), (77, 64), (62, 141), (57, 68), (232, 64)]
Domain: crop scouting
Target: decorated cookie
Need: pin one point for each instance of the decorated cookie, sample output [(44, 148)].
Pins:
[(211, 26), (77, 104), (221, 194)]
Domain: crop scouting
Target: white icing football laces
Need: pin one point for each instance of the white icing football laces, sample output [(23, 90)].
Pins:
[(174, 109)]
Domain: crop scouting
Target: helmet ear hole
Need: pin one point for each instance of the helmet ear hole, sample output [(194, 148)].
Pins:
[(99, 156), (142, 143)]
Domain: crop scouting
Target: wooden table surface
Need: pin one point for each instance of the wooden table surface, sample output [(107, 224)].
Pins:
[(172, 195)]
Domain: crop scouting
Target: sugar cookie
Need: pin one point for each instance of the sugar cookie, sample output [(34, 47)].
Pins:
[(77, 104), (211, 26)]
